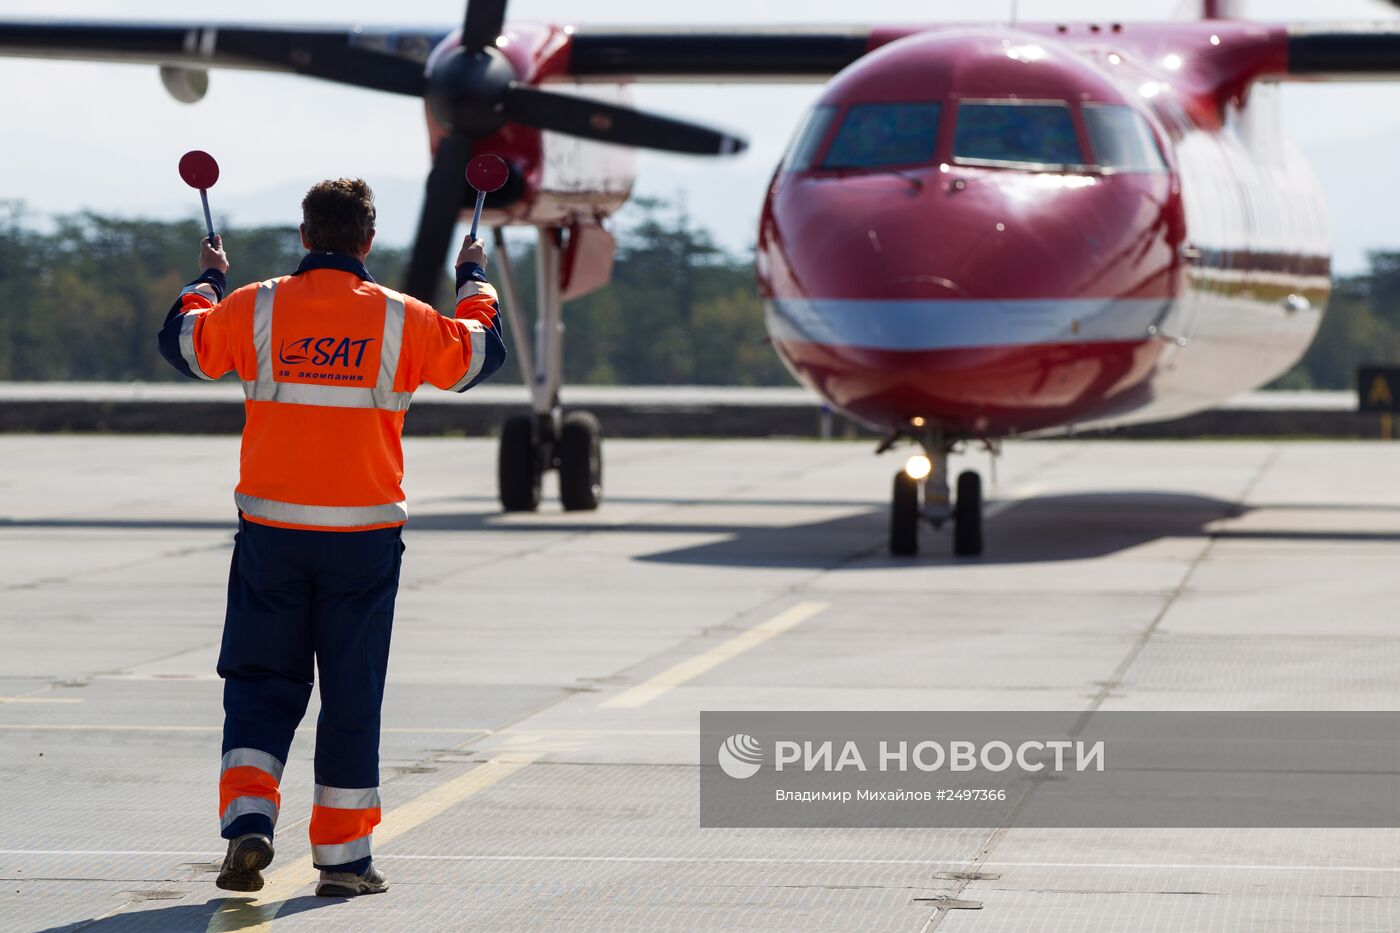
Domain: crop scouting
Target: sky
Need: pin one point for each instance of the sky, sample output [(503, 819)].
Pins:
[(107, 137)]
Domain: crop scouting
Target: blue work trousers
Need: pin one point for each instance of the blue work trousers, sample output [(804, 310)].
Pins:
[(302, 602)]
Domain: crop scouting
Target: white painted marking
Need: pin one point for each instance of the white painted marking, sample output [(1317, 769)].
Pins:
[(202, 676), (106, 852), (704, 860), (101, 727), (28, 699), (689, 669), (143, 727)]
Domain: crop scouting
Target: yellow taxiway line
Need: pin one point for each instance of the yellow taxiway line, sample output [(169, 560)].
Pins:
[(689, 669), (249, 915)]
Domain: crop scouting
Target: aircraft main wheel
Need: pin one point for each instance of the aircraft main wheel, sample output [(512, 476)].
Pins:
[(967, 515), (904, 515), (580, 462), (518, 468)]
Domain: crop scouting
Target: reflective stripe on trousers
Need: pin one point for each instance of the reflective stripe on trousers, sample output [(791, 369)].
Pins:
[(248, 783), (342, 853), (342, 824), (267, 389)]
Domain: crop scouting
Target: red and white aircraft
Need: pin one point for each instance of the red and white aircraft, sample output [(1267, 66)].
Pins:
[(978, 231)]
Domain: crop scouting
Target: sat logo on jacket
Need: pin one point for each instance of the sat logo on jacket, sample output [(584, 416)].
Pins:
[(336, 358)]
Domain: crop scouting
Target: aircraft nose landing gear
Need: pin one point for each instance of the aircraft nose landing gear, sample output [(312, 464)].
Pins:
[(931, 472), (967, 515)]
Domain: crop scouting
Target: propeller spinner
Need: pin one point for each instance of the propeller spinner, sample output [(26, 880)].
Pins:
[(472, 91)]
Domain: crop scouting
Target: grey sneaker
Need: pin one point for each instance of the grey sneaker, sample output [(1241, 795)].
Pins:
[(247, 856), (345, 884)]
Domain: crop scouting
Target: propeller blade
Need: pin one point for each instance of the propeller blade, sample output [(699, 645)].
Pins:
[(442, 202), (609, 123), (372, 70), (483, 24)]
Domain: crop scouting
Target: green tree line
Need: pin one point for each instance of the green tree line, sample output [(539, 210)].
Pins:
[(81, 298), (1362, 325)]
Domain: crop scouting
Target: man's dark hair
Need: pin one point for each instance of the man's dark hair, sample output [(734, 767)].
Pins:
[(339, 214)]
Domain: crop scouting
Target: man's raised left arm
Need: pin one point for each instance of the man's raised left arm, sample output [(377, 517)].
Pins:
[(467, 349)]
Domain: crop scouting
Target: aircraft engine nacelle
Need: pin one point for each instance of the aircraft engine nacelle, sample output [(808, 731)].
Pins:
[(187, 85), (555, 180)]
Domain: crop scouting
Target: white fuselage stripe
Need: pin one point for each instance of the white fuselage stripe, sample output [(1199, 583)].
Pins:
[(887, 324)]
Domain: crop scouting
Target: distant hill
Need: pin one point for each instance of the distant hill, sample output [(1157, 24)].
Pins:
[(721, 200), (1358, 178)]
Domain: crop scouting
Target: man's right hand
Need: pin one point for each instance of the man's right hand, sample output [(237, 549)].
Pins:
[(472, 251), (212, 255)]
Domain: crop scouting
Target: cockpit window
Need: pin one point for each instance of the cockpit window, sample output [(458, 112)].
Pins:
[(808, 139), (874, 135), (1018, 135), (1121, 139)]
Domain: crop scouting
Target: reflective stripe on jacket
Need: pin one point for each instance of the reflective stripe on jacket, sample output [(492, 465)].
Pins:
[(329, 361)]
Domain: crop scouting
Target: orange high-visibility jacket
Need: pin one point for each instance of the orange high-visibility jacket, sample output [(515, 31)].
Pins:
[(329, 360)]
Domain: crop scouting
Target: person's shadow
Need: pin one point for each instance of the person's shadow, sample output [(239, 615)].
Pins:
[(192, 918)]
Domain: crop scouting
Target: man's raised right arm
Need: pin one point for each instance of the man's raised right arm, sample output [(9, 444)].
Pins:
[(196, 337)]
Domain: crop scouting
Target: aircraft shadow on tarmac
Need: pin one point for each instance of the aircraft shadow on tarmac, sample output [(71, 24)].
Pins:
[(1044, 529), (190, 918), (1037, 530)]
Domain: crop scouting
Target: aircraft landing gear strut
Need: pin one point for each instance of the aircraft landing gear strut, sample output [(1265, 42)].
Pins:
[(937, 505), (547, 438)]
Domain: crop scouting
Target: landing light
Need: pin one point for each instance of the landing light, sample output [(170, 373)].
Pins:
[(1046, 180), (918, 467), (1026, 53)]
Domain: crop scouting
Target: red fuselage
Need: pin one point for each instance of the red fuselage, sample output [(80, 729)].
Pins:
[(992, 297)]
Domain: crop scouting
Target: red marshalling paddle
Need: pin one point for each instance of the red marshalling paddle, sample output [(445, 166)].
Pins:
[(199, 170), (485, 173)]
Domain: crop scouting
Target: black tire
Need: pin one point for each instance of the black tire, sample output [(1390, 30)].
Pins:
[(580, 462), (967, 515), (904, 515), (518, 468)]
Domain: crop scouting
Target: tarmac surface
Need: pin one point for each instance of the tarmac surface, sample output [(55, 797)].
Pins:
[(671, 411), (540, 766)]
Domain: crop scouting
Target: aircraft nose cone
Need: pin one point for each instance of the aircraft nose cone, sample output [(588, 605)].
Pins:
[(979, 298), (981, 234)]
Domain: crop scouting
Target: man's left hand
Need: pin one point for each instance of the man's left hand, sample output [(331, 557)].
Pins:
[(472, 251), (212, 255)]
